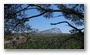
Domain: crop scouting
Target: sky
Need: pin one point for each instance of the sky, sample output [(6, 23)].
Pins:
[(42, 23)]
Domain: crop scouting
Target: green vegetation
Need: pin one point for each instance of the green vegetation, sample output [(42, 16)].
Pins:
[(62, 41), (17, 21)]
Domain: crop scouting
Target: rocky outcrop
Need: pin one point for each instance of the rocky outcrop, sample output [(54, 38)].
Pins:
[(15, 41)]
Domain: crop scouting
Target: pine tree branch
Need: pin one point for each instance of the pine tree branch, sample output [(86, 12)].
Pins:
[(27, 19), (68, 24)]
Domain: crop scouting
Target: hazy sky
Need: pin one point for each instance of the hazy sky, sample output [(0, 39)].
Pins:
[(42, 23)]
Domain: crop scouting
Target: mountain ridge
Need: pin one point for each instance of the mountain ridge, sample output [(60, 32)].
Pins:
[(51, 31)]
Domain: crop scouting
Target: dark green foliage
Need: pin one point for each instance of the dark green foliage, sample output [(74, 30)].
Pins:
[(62, 41), (72, 44)]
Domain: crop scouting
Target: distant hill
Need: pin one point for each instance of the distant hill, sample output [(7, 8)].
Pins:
[(51, 31)]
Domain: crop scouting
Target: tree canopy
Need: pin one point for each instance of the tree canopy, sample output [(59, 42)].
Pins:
[(16, 18)]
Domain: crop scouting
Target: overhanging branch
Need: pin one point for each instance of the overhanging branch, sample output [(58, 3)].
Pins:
[(27, 19), (51, 10), (37, 15), (68, 24)]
